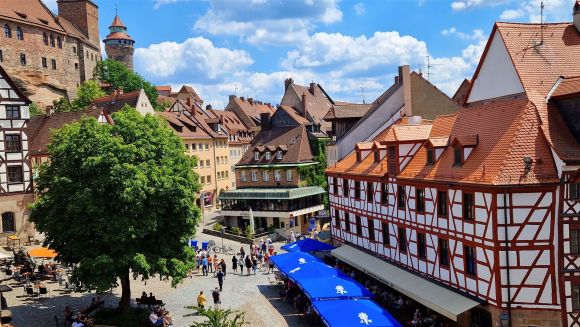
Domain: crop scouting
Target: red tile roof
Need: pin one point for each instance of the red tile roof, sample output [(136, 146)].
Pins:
[(115, 102), (117, 22), (118, 36), (566, 87), (29, 12), (347, 110)]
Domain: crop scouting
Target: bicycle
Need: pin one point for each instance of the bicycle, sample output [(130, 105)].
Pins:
[(220, 249)]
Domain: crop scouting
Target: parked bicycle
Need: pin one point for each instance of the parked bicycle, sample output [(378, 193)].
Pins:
[(211, 246)]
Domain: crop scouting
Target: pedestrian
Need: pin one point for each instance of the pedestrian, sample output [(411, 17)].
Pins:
[(234, 263), (292, 237), (197, 261), (266, 261), (254, 263), (241, 264), (216, 298), (260, 259), (220, 277), (223, 267), (210, 263), (270, 265), (264, 247), (204, 266), (201, 300), (248, 264), (216, 262), (242, 253), (261, 243), (271, 249), (268, 240)]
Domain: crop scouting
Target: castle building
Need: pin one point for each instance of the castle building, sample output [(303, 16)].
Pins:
[(119, 45), (49, 56), (481, 207)]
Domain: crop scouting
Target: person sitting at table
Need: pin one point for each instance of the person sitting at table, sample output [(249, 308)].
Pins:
[(68, 316), (78, 323), (155, 319), (41, 270)]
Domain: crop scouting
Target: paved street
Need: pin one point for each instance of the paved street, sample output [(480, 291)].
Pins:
[(251, 294)]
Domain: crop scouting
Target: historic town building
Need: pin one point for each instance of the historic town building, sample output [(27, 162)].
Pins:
[(119, 45), (479, 207), (49, 56), (268, 179), (249, 110)]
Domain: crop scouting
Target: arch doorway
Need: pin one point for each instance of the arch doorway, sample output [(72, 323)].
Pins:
[(8, 222)]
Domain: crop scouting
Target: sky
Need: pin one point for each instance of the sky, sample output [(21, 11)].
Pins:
[(352, 48)]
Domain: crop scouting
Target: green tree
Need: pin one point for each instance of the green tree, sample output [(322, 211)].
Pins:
[(62, 105), (120, 77), (314, 175), (35, 110), (218, 317), (118, 200), (87, 92)]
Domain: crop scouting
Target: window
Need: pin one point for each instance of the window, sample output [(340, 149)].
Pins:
[(345, 187), (576, 297), (193, 147), (53, 63), (1, 56), (430, 156), (208, 179), (277, 175), (202, 164), (384, 193), (74, 48), (288, 175), (243, 176), (59, 42), (335, 185), (401, 197), (457, 157), (206, 147), (14, 174), (13, 143), (402, 240), (574, 192), (347, 221), (19, 34), (265, 176), (358, 156), (442, 203), (254, 176), (8, 222), (385, 232), (12, 112), (422, 245), (45, 39), (468, 207), (336, 218), (51, 40), (256, 155), (357, 189), (23, 59), (420, 199), (470, 261), (371, 229), (207, 163), (279, 154), (443, 252), (44, 63), (358, 225), (377, 155), (370, 192), (268, 155), (575, 241), (392, 152), (76, 66), (202, 179), (7, 31)]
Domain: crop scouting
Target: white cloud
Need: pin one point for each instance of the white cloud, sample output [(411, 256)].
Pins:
[(195, 56), (476, 34), (511, 14), (359, 9), (159, 3), (554, 11), (467, 4), (268, 21)]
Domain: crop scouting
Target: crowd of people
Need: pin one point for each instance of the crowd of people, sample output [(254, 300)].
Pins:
[(82, 319)]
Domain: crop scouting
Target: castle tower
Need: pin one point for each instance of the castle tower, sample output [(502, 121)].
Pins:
[(118, 44), (84, 14)]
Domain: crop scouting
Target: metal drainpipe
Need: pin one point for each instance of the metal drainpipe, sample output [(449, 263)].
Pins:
[(507, 258)]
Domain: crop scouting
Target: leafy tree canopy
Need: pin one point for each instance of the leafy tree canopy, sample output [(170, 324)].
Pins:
[(116, 199), (87, 92), (218, 317), (314, 175), (35, 110), (118, 76)]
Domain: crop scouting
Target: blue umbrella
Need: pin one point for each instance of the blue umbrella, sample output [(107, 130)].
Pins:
[(292, 260), (310, 270), (349, 313), (307, 245), (335, 287)]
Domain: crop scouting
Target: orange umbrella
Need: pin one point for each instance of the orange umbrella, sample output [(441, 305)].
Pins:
[(42, 252)]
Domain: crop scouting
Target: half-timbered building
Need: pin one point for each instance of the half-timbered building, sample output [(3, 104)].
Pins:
[(476, 215)]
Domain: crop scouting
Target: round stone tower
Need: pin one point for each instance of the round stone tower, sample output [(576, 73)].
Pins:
[(118, 44)]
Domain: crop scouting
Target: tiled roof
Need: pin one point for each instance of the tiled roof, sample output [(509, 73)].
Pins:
[(294, 138), (317, 105), (29, 12), (117, 22), (231, 123), (465, 140), (437, 142), (115, 102), (71, 29), (118, 36), (40, 127), (347, 110), (566, 87), (295, 115), (184, 126), (402, 132), (252, 109)]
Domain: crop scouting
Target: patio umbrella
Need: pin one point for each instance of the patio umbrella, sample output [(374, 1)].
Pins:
[(335, 287), (349, 313), (311, 270), (307, 245), (292, 260), (42, 252)]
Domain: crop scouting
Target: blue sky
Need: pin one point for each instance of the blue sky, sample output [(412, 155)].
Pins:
[(222, 46)]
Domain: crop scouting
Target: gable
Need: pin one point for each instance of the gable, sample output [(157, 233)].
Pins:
[(282, 118), (497, 75)]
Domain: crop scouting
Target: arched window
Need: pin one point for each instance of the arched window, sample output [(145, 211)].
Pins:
[(45, 38), (8, 222), (51, 40), (19, 33), (59, 42), (7, 31)]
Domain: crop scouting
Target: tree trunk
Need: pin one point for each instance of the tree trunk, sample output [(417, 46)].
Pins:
[(125, 302)]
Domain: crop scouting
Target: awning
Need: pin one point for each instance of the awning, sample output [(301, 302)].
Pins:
[(431, 295), (271, 193)]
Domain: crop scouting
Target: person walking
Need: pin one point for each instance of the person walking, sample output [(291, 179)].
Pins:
[(254, 263), (292, 237), (223, 266), (217, 302), (241, 264), (266, 261), (220, 278), (210, 263), (271, 248), (204, 265), (201, 300), (264, 246), (248, 264), (242, 253), (234, 264), (260, 259), (270, 265)]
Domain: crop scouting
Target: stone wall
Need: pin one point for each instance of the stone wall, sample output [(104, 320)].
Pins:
[(18, 204)]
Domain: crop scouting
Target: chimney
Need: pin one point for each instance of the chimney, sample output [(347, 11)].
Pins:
[(405, 79), (243, 99), (48, 111), (396, 79), (251, 101), (304, 110), (208, 107), (576, 15), (232, 97), (265, 121), (313, 88), (287, 83)]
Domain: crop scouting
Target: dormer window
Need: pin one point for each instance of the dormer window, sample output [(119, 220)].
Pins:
[(268, 155), (377, 155), (457, 157), (256, 155), (358, 156), (279, 154), (430, 156)]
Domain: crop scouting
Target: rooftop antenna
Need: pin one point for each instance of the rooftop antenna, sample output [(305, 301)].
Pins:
[(429, 65), (235, 89), (541, 22), (362, 91), (116, 10)]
